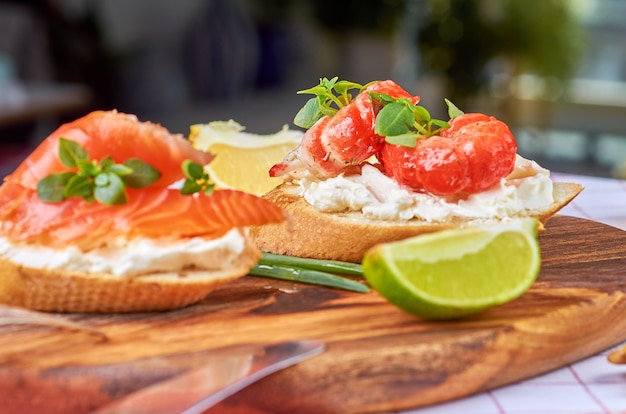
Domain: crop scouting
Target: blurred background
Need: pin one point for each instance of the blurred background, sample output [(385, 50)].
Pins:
[(555, 70)]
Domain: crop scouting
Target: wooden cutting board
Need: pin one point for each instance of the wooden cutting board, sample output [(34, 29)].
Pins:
[(377, 358)]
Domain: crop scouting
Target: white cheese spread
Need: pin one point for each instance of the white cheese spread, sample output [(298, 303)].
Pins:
[(380, 197), (138, 256)]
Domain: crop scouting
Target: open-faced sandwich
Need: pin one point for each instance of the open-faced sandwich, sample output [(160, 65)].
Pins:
[(109, 214), (377, 168)]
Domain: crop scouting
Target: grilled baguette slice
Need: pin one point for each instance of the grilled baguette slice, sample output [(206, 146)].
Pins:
[(56, 290), (347, 236)]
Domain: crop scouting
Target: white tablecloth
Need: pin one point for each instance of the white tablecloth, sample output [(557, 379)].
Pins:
[(591, 386)]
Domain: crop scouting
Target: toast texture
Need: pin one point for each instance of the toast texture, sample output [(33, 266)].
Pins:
[(56, 290), (347, 236)]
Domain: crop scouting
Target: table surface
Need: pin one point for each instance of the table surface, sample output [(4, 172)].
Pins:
[(590, 386)]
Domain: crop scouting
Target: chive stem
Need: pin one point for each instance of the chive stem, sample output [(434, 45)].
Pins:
[(330, 266), (309, 276)]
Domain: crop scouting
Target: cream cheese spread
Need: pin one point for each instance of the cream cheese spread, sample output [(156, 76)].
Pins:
[(138, 256), (380, 197)]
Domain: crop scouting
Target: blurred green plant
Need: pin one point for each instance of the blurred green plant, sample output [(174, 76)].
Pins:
[(461, 39), (341, 17)]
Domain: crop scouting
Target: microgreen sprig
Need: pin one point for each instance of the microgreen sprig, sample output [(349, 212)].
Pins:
[(196, 179), (103, 181), (402, 122), (330, 96)]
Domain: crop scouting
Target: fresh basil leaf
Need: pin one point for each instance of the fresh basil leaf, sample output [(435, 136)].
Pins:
[(107, 162), (190, 187), (309, 114), (102, 179), (326, 107), (79, 186), (51, 188), (343, 86), (193, 170), (70, 152), (453, 111), (87, 168), (421, 114), (406, 140), (394, 119), (113, 192), (321, 88), (209, 188), (441, 124), (119, 169), (381, 97), (143, 174), (328, 84)]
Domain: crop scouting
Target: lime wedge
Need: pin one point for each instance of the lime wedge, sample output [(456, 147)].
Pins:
[(454, 273)]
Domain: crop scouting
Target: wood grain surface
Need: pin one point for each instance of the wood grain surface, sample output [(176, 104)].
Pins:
[(378, 358)]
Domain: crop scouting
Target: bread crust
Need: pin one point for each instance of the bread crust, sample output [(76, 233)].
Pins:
[(347, 236), (56, 290)]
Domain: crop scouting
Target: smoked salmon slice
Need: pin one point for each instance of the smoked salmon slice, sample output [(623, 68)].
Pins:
[(156, 211), (153, 212), (115, 134)]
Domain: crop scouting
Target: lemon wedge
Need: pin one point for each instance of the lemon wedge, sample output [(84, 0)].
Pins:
[(242, 159)]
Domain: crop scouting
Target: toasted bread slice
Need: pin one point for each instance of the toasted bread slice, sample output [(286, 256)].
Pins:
[(347, 236), (75, 291)]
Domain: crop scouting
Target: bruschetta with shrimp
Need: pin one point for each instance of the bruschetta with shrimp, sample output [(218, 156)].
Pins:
[(375, 167)]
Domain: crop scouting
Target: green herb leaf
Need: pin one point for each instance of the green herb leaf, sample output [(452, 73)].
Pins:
[(142, 175), (342, 87), (197, 179), (421, 114), (70, 152), (193, 170), (381, 97), (87, 168), (51, 188), (208, 188), (102, 179), (79, 186), (394, 119), (190, 187), (106, 163), (402, 122), (120, 169), (330, 96), (105, 181), (407, 140), (441, 124), (109, 189), (309, 114), (453, 111)]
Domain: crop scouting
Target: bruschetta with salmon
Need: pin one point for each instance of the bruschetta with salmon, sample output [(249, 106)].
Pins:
[(100, 218)]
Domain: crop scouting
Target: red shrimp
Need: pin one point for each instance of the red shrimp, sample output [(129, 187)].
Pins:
[(347, 139), (472, 155)]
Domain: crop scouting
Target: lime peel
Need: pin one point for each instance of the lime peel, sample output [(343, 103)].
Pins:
[(454, 273)]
